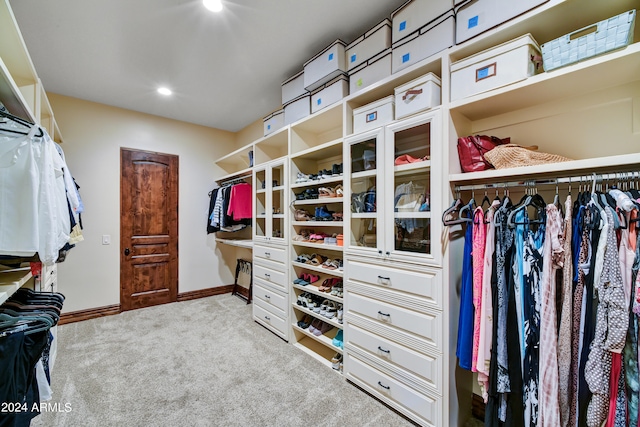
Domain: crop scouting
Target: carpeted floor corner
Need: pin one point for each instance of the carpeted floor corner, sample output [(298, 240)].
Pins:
[(197, 363)]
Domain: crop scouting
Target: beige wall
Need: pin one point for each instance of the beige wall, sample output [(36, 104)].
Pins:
[(250, 133), (93, 134)]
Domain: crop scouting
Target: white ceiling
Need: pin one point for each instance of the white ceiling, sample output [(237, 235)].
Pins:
[(225, 69)]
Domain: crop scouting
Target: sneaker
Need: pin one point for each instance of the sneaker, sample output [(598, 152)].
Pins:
[(337, 341), (336, 362)]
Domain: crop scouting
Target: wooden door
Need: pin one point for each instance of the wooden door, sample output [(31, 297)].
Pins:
[(148, 229)]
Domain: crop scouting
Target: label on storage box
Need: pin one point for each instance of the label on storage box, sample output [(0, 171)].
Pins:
[(402, 26), (473, 22), (372, 116), (406, 57), (353, 58), (330, 57)]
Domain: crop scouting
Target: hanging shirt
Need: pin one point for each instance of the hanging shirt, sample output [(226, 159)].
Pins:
[(464, 346), (564, 331), (479, 241)]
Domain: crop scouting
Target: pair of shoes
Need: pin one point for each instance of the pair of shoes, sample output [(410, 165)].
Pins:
[(301, 177), (337, 216), (336, 169), (330, 311), (318, 327), (337, 341), (324, 174), (406, 159), (323, 214), (302, 215), (305, 322), (306, 279), (330, 264), (337, 289), (329, 283), (302, 258), (317, 238), (333, 240), (325, 192), (317, 260), (340, 312), (336, 362), (308, 194)]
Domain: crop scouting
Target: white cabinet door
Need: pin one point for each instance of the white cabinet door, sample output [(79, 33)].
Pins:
[(270, 202)]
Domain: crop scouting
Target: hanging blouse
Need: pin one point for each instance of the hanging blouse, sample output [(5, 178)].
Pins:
[(564, 331), (464, 346), (479, 241)]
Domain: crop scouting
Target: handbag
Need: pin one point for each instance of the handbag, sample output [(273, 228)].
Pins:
[(471, 151)]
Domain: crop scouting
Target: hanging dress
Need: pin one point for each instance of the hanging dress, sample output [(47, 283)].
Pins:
[(464, 347), (479, 242), (564, 331)]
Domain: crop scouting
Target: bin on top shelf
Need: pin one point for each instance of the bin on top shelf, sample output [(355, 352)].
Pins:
[(293, 88), (326, 65), (297, 109), (332, 92), (273, 122), (474, 17), (370, 71), (498, 66), (428, 40), (373, 115), (417, 95), (369, 44), (415, 14)]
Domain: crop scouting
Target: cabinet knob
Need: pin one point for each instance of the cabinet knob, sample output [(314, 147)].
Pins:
[(379, 252), (388, 253), (126, 251)]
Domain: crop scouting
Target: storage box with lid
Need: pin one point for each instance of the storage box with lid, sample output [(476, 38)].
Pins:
[(369, 44), (415, 14), (273, 122), (371, 71), (293, 88), (430, 39), (297, 109), (597, 39), (498, 66), (474, 17), (332, 92), (417, 95), (326, 65), (373, 115)]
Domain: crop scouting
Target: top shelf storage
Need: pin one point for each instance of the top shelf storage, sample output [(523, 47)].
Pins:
[(236, 163)]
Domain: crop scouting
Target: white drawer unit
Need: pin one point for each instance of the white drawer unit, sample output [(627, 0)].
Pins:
[(425, 325), (373, 115), (499, 66), (272, 321), (272, 276), (270, 253), (426, 284), (418, 406), (270, 298), (369, 45), (431, 39), (428, 367), (417, 95), (415, 14), (326, 65), (371, 71)]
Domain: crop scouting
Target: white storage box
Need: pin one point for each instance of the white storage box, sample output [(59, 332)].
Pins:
[(273, 122), (417, 95), (293, 88), (371, 71), (476, 16), (430, 39), (332, 92), (373, 115), (602, 37), (325, 66), (499, 66), (297, 109), (415, 14), (369, 45)]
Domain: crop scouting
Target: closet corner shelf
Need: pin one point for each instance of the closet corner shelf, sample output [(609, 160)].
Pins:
[(620, 67), (11, 281), (319, 269), (241, 243), (585, 166)]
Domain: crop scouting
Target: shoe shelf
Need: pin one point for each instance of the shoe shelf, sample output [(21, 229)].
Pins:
[(415, 214), (318, 182), (338, 273), (317, 223), (317, 350), (319, 246), (241, 243), (322, 339), (305, 310), (312, 289), (319, 201)]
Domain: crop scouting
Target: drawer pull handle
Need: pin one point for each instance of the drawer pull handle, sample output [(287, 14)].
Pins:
[(386, 387), (384, 278), (383, 314), (267, 296), (267, 254), (384, 350), (267, 275), (267, 317)]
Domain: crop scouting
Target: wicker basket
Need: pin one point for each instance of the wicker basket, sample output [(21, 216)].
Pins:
[(596, 39)]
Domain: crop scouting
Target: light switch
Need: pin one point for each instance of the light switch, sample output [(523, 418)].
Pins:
[(106, 239)]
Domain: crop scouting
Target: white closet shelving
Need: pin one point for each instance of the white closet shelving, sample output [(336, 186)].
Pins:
[(401, 304)]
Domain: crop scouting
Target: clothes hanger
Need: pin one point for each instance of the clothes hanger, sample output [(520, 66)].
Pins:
[(21, 121)]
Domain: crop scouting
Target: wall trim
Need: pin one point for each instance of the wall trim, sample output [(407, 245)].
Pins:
[(110, 310), (203, 293), (92, 313)]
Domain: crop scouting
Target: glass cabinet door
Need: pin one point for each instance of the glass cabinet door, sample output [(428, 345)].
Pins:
[(277, 192), (363, 166), (260, 204), (411, 193), (270, 202)]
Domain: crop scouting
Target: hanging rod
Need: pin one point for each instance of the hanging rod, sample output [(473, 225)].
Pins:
[(231, 181), (583, 179)]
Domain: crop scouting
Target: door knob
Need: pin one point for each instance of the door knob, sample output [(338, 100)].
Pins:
[(126, 251)]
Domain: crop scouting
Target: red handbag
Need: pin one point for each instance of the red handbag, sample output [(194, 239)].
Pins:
[(471, 150)]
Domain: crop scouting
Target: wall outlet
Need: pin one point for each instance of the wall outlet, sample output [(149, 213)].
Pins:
[(106, 239)]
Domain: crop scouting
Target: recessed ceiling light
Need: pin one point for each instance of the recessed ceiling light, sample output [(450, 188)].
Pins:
[(213, 5), (164, 91)]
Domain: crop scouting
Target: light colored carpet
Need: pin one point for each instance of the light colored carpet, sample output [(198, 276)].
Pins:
[(198, 363)]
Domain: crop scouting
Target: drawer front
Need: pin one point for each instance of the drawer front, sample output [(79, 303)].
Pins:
[(270, 320), (428, 408), (427, 367), (270, 253), (428, 326), (274, 277), (428, 285), (270, 298)]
